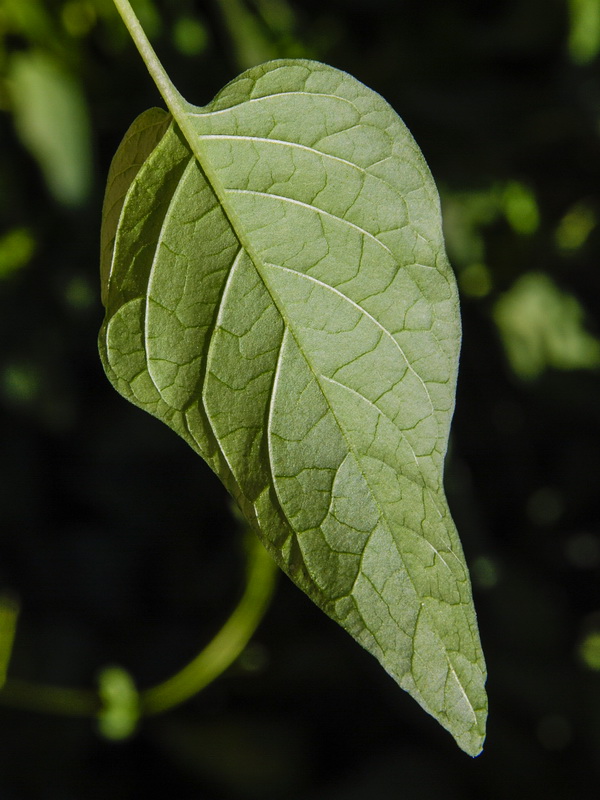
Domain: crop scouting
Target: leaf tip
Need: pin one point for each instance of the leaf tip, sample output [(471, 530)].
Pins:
[(472, 738)]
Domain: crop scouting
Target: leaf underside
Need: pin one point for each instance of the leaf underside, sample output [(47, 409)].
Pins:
[(277, 291)]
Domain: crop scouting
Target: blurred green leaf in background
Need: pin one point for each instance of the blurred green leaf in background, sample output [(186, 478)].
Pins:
[(584, 35), (542, 327), (17, 247), (52, 121)]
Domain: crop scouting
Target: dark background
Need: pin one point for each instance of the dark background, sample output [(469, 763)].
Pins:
[(119, 542)]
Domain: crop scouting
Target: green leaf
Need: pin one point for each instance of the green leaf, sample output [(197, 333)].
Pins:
[(542, 326), (277, 291), (52, 120)]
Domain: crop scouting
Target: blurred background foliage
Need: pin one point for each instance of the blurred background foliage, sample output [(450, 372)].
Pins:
[(119, 544)]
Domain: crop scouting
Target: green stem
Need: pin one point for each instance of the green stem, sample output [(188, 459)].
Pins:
[(170, 94), (176, 103), (227, 644), (50, 699), (213, 660)]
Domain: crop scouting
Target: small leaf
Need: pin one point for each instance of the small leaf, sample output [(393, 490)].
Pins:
[(277, 291)]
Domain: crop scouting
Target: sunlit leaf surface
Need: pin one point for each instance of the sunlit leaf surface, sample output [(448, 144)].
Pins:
[(277, 291)]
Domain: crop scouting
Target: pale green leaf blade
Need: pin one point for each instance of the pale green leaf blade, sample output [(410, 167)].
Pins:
[(139, 141), (280, 296)]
